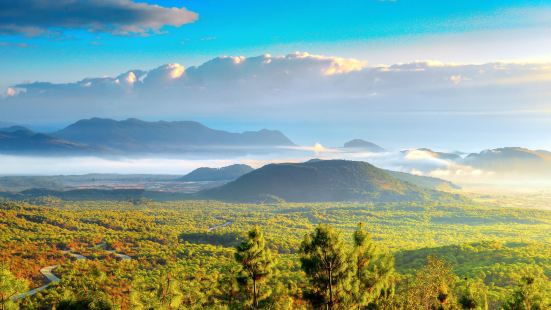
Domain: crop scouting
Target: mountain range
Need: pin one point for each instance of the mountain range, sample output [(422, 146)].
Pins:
[(103, 137), (20, 140), (133, 136)]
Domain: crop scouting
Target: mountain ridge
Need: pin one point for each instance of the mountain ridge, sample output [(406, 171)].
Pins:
[(134, 136), (163, 136), (21, 140)]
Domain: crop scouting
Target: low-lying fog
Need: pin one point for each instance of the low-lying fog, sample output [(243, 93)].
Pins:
[(415, 162)]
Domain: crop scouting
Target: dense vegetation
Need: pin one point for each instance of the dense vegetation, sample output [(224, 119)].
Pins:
[(197, 254)]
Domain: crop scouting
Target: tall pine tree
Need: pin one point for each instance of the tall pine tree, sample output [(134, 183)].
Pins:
[(373, 278), (255, 259), (325, 262)]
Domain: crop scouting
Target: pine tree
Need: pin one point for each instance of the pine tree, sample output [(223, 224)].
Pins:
[(255, 259), (373, 272), (325, 262)]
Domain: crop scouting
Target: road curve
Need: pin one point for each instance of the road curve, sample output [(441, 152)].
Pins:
[(52, 278), (120, 255), (228, 223), (47, 272)]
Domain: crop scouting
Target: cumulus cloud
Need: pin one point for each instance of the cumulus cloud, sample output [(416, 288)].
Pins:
[(37, 17), (400, 98)]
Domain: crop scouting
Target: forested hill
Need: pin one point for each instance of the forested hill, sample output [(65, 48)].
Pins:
[(317, 181)]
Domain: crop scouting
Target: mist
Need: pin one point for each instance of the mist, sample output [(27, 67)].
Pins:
[(413, 161)]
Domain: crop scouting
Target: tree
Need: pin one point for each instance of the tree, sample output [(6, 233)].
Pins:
[(325, 262), (161, 291), (9, 287), (532, 293), (432, 287), (373, 272), (169, 292), (255, 259), (94, 303), (474, 295)]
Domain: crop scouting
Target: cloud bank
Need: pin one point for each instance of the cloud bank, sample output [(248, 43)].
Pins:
[(297, 82), (122, 17), (418, 104)]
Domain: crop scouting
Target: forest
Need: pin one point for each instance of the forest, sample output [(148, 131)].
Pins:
[(143, 254)]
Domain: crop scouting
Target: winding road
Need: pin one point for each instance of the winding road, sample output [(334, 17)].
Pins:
[(228, 223), (52, 278), (47, 272), (120, 255)]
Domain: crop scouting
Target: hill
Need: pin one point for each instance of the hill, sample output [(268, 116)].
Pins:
[(512, 159), (364, 145), (133, 135), (318, 181), (21, 140), (217, 174)]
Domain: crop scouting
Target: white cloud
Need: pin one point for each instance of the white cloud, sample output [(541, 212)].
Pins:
[(298, 85), (164, 75)]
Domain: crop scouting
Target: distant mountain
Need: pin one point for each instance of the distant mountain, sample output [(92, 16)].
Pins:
[(318, 181), (424, 181), (20, 140), (364, 145), (511, 159), (133, 135), (228, 173)]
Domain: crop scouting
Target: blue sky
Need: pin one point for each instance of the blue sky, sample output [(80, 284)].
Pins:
[(358, 28), (51, 47)]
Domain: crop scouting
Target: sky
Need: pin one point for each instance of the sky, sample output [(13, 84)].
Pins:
[(450, 75)]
